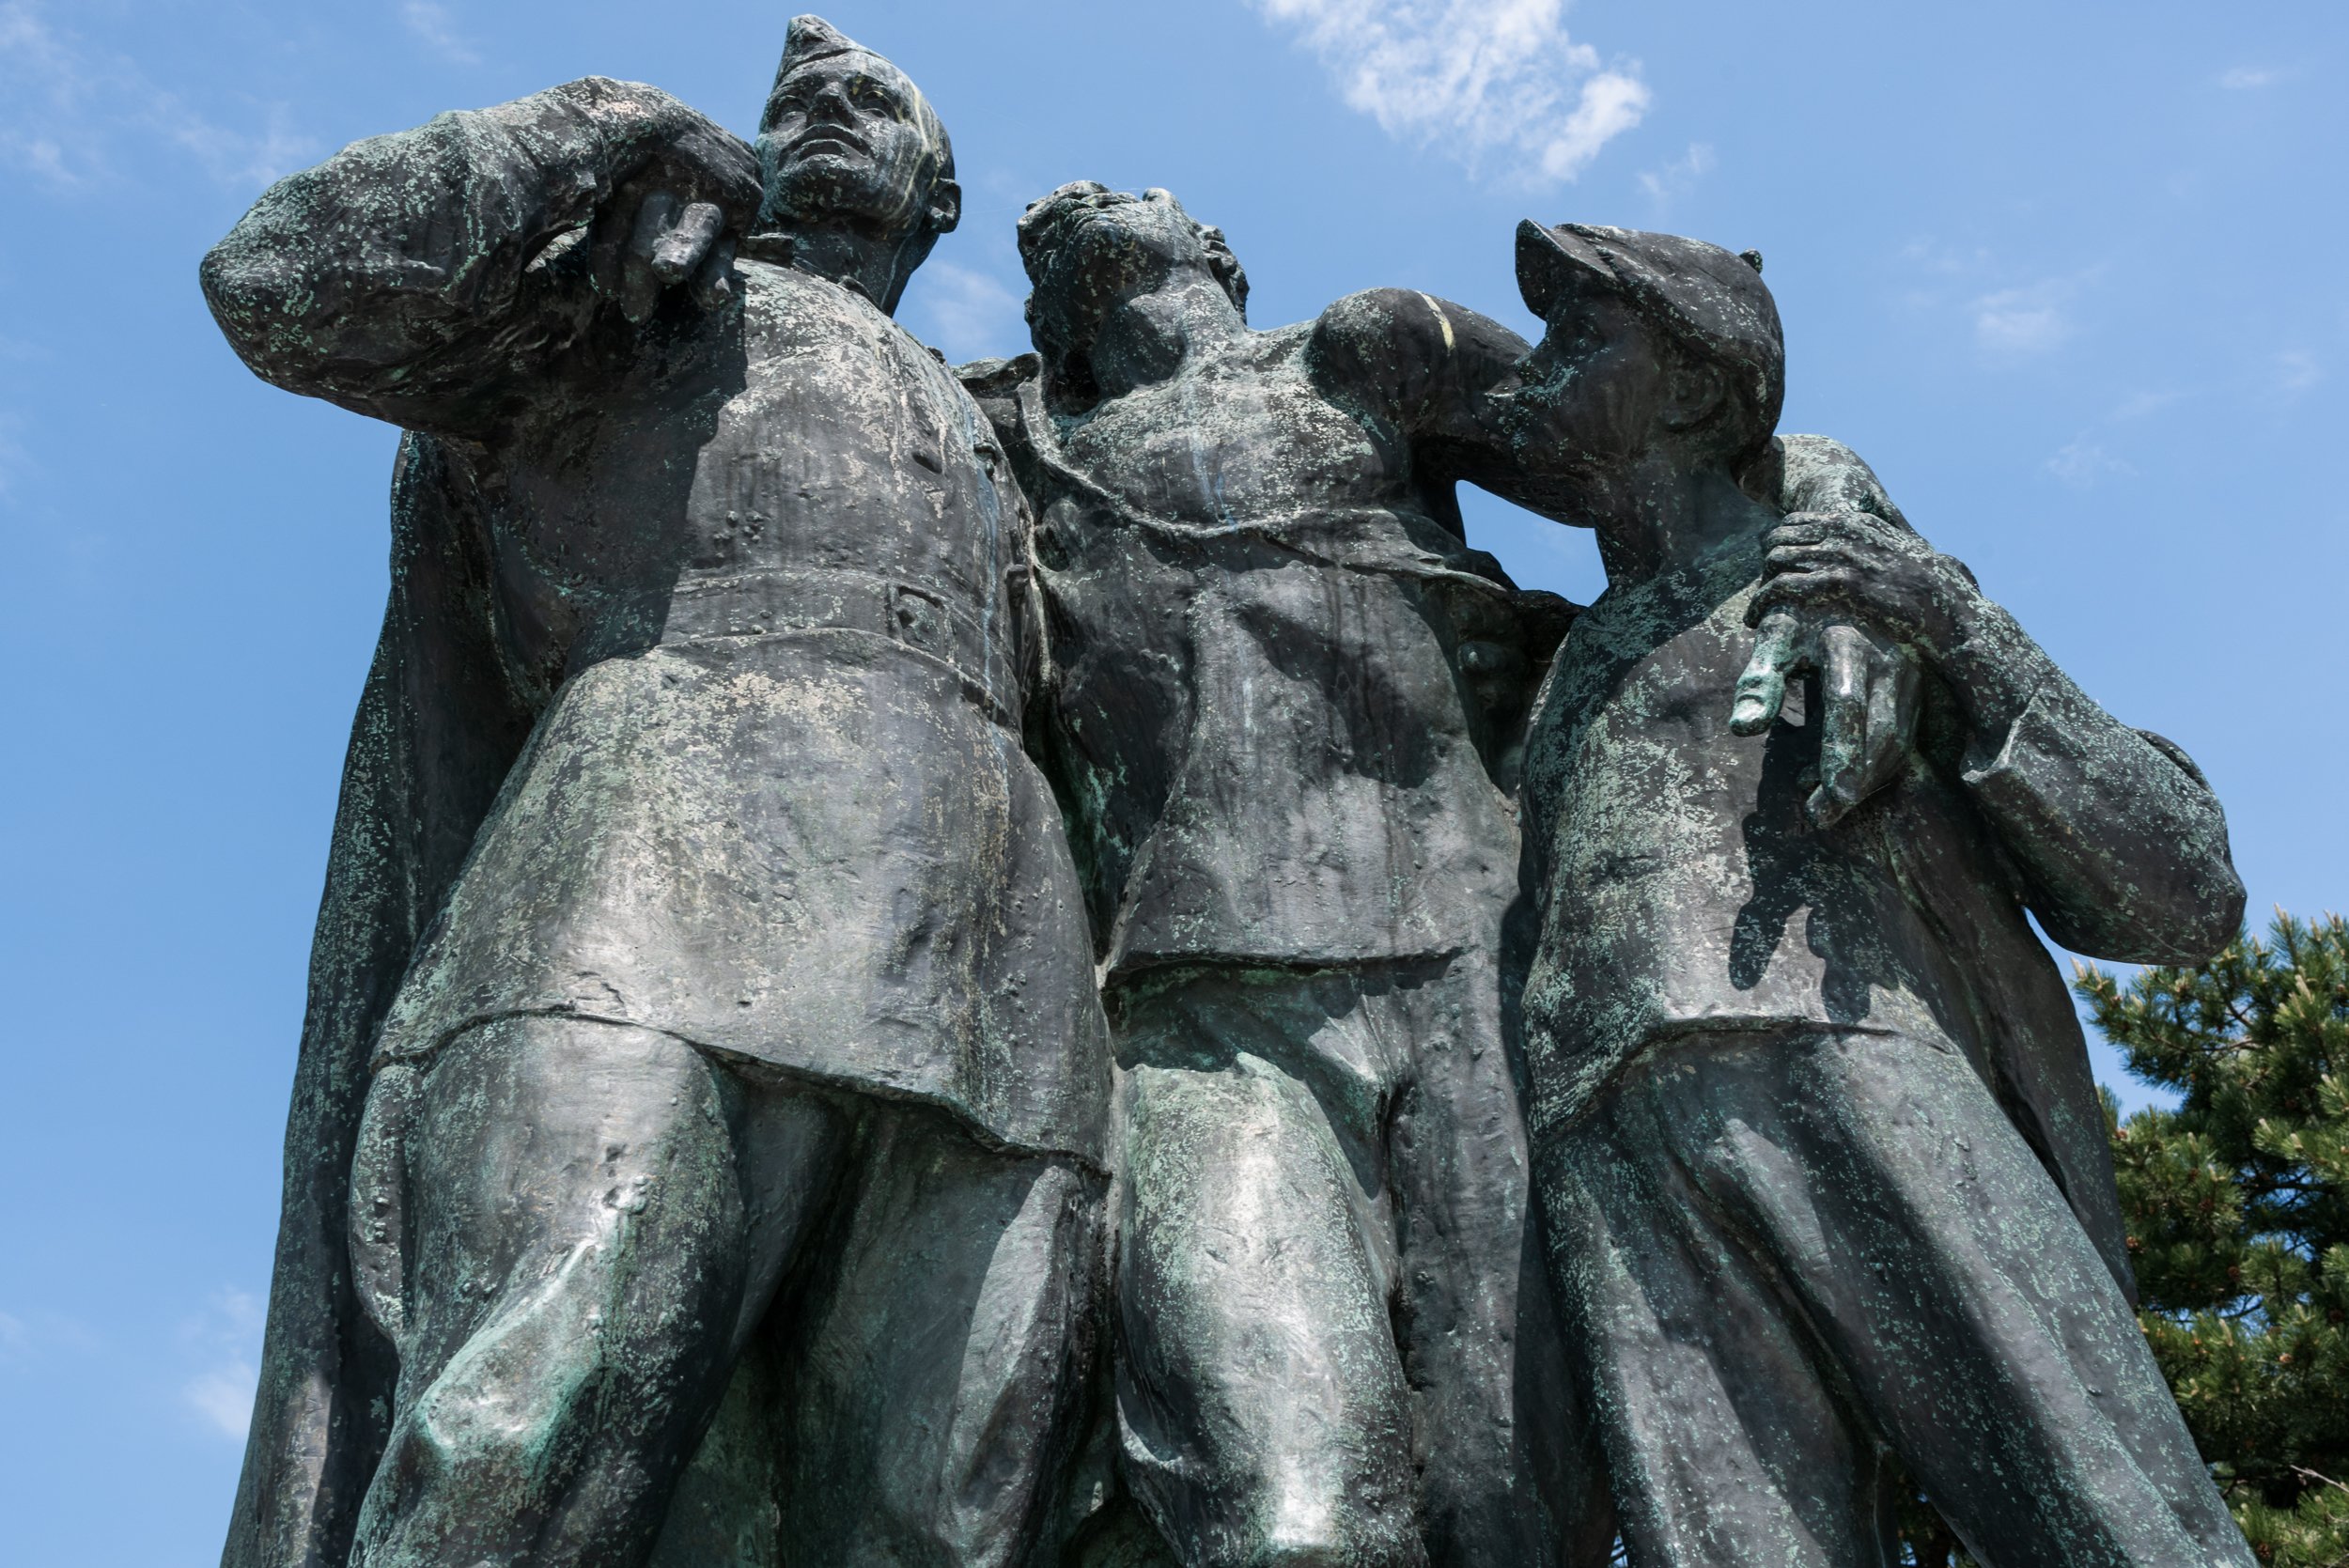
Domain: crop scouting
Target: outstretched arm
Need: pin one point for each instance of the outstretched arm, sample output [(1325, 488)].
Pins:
[(2120, 838), (1439, 378), (1445, 380), (426, 277)]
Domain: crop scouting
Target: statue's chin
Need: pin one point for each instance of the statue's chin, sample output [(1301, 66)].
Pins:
[(829, 188), (1075, 307)]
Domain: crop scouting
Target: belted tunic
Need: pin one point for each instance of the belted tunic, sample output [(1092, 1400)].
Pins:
[(782, 810), (764, 573)]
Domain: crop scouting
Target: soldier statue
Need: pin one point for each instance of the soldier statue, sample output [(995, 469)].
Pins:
[(1826, 1177), (1282, 703), (700, 941)]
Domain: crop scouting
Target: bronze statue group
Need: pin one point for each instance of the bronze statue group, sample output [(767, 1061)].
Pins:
[(1039, 964)]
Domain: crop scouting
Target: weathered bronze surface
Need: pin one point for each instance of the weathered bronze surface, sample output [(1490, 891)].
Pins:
[(1282, 701), (1824, 1171), (939, 968), (703, 946)]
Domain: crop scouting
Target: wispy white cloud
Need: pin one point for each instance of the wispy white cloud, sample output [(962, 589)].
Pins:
[(2083, 462), (2086, 461), (66, 107), (2143, 401), (42, 1334), (2012, 314), (2248, 79), (433, 24), (1487, 80), (48, 87), (2293, 371), (965, 312), (2020, 322), (25, 38), (240, 1312), (227, 1331), (1676, 179), (223, 1397), (247, 158), (1931, 254)]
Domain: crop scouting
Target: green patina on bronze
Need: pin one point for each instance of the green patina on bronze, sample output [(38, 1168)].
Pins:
[(714, 944), (933, 967), (1824, 1170)]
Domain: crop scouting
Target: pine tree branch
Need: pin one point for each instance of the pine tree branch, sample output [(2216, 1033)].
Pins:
[(2317, 1476)]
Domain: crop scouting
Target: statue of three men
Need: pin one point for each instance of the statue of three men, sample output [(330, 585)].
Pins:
[(917, 972)]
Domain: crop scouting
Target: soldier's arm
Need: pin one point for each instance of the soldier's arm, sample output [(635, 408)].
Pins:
[(2120, 838), (1438, 376), (431, 277), (2121, 842)]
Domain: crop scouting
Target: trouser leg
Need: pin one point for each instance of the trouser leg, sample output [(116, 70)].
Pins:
[(932, 1372), (1852, 1224), (1262, 1408), (1983, 1333), (1724, 1442), (725, 1509), (1504, 1476), (594, 1218)]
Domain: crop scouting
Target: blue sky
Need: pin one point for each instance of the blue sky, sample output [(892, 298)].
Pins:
[(2069, 275)]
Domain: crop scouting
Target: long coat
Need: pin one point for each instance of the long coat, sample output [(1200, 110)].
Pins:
[(698, 705)]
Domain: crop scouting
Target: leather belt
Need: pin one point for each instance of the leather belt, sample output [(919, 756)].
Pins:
[(780, 600)]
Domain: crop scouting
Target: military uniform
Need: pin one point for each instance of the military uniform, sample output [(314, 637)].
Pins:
[(757, 1043)]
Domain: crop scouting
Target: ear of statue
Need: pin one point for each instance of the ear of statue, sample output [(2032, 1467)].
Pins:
[(1225, 266), (946, 210), (1697, 389)]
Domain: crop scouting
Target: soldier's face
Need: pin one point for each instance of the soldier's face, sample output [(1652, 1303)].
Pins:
[(1097, 248), (1596, 386), (842, 138)]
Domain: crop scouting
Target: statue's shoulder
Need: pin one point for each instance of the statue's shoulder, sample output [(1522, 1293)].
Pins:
[(996, 386), (773, 284), (1405, 340), (772, 292), (1819, 473), (1367, 323), (1387, 315), (785, 309)]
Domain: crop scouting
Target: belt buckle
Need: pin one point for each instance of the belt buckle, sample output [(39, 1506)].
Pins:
[(919, 620)]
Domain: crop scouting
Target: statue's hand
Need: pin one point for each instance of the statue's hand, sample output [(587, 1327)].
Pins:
[(1854, 598), (664, 243), (1868, 692), (1869, 571)]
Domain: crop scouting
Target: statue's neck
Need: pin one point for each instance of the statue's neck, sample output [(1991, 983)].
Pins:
[(1153, 338), (872, 263), (1657, 516)]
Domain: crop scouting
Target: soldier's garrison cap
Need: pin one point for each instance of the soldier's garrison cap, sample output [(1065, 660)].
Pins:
[(811, 39), (1700, 296)]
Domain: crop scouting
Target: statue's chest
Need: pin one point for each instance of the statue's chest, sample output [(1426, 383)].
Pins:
[(807, 433), (1222, 450), (831, 386)]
